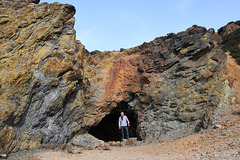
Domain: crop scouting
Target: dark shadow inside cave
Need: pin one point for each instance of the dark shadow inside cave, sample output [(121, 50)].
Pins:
[(107, 129)]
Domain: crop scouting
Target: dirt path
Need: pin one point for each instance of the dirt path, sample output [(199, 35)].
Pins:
[(234, 74)]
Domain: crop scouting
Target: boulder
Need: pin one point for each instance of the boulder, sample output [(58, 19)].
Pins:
[(86, 140), (74, 149)]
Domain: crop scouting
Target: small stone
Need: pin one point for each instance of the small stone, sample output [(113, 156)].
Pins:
[(74, 150), (49, 146), (87, 148), (106, 148), (113, 143), (3, 155), (197, 129), (217, 126), (106, 144), (99, 148), (131, 141), (61, 147)]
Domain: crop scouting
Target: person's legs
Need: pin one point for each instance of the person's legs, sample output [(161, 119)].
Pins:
[(127, 131), (122, 129)]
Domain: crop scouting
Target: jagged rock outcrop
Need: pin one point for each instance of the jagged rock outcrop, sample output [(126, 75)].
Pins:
[(40, 63), (229, 28), (52, 89), (173, 83)]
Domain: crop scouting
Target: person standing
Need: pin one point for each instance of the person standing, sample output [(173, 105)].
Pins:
[(123, 123)]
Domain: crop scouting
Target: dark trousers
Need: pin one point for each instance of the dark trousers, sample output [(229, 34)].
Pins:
[(126, 128)]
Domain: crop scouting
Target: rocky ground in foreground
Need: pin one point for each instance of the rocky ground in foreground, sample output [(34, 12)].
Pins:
[(220, 142)]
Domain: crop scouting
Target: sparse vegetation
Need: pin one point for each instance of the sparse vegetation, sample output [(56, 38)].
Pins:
[(231, 42), (169, 35), (237, 22)]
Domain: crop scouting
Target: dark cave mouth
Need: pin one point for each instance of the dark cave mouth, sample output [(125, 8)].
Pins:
[(107, 129)]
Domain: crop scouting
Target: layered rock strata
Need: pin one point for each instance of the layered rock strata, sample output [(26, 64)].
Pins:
[(52, 89)]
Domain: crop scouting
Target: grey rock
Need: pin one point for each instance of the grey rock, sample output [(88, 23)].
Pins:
[(52, 87), (86, 140)]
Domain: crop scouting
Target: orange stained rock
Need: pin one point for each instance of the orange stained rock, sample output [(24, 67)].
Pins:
[(122, 77)]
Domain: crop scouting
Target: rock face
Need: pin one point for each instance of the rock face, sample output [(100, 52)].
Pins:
[(229, 28), (52, 90), (40, 85), (173, 83)]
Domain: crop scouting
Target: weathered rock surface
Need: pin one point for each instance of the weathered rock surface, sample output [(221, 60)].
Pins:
[(86, 140), (40, 63), (229, 28), (52, 90), (173, 83)]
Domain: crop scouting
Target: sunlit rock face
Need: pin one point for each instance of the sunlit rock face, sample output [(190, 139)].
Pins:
[(41, 79), (173, 83), (52, 89)]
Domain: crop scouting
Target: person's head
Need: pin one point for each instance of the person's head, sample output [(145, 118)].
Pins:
[(122, 114)]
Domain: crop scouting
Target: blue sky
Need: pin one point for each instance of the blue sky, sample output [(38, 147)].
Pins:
[(114, 24)]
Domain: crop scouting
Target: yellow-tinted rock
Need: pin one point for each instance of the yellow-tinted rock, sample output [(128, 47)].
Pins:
[(38, 45), (56, 66), (53, 89)]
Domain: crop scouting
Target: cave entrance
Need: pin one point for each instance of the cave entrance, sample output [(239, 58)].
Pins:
[(107, 129)]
